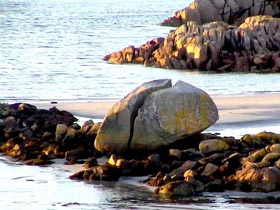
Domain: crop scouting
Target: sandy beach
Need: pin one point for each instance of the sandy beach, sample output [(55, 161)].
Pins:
[(242, 113), (233, 109)]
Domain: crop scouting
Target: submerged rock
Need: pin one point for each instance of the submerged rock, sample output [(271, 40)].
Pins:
[(181, 188), (98, 173)]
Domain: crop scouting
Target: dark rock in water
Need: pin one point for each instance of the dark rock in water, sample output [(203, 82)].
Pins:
[(215, 185), (91, 162), (74, 156), (42, 160), (102, 173), (181, 188)]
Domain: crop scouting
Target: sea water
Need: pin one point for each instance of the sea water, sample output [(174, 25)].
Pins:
[(52, 50)]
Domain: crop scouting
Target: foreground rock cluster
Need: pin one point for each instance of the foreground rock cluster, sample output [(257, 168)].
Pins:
[(216, 35), (36, 136), (207, 163), (191, 163)]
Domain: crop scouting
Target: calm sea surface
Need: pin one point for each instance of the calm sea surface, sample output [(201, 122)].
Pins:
[(52, 50)]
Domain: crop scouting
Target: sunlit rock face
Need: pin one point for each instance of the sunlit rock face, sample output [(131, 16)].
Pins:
[(171, 114), (253, 46), (231, 12), (157, 118)]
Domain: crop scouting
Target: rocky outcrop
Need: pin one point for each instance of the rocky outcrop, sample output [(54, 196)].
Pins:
[(260, 169), (248, 164), (155, 115), (36, 136), (231, 12), (214, 164), (211, 163), (251, 47)]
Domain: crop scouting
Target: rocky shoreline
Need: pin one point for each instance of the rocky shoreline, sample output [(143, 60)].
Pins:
[(202, 162), (241, 42)]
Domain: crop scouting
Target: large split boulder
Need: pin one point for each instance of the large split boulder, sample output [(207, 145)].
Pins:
[(155, 115)]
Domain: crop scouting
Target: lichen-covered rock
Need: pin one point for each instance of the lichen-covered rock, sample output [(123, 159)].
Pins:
[(117, 127), (275, 148), (271, 157), (257, 155), (268, 137), (171, 114), (260, 139), (213, 145)]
